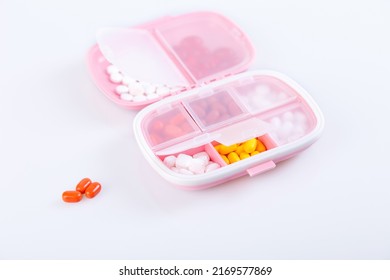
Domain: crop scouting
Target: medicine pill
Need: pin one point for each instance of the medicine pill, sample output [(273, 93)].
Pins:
[(233, 157), (244, 156), (240, 151), (260, 146), (225, 159), (202, 156), (93, 189), (183, 161), (83, 185), (112, 69), (116, 77), (212, 166), (227, 149), (72, 196), (250, 145), (170, 161), (127, 96), (197, 166), (121, 89), (136, 89)]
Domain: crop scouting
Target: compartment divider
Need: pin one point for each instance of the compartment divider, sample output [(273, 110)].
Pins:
[(214, 155), (173, 56)]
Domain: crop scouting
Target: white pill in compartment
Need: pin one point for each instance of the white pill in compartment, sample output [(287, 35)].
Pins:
[(212, 166), (197, 166), (127, 97), (203, 156), (183, 161), (112, 69), (121, 89), (170, 161), (116, 77)]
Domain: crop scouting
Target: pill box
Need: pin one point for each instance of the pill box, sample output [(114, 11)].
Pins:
[(202, 99)]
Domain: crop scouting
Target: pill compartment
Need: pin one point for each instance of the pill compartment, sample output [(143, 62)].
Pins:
[(266, 140), (290, 123), (207, 45), (208, 148), (176, 53), (285, 128), (262, 93), (168, 125), (213, 109)]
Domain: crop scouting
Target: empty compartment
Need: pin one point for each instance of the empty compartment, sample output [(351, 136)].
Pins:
[(206, 44), (168, 126), (215, 109), (263, 93), (290, 123), (194, 161)]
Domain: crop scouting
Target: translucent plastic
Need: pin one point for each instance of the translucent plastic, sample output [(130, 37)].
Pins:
[(138, 55), (215, 109), (264, 93), (290, 123), (208, 45), (168, 126)]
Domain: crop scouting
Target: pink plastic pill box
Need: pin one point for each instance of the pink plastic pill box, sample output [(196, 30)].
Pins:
[(199, 59)]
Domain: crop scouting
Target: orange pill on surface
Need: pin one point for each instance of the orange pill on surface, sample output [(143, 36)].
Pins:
[(72, 196), (93, 190), (83, 185)]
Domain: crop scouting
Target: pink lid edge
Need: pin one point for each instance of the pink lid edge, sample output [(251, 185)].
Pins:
[(97, 63)]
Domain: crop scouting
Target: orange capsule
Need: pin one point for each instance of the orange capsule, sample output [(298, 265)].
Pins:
[(83, 185), (93, 189), (72, 196)]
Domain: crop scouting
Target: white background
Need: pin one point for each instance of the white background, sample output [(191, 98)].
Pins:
[(330, 202)]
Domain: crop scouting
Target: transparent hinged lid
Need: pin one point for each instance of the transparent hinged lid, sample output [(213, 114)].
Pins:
[(184, 51)]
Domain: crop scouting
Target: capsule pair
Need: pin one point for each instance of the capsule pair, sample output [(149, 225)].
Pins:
[(85, 186)]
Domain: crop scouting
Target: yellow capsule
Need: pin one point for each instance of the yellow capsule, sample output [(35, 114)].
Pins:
[(217, 147), (244, 155), (223, 150), (233, 157), (225, 159), (250, 145), (254, 153), (240, 149), (260, 147)]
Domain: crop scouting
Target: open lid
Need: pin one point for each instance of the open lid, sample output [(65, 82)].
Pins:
[(179, 51)]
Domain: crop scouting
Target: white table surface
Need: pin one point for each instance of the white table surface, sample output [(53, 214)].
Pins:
[(330, 202)]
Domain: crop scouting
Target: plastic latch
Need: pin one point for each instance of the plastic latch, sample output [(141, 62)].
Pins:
[(261, 168)]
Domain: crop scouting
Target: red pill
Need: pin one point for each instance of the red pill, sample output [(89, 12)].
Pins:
[(93, 190), (172, 131), (155, 139), (178, 119), (212, 117), (83, 184), (157, 126), (72, 196)]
